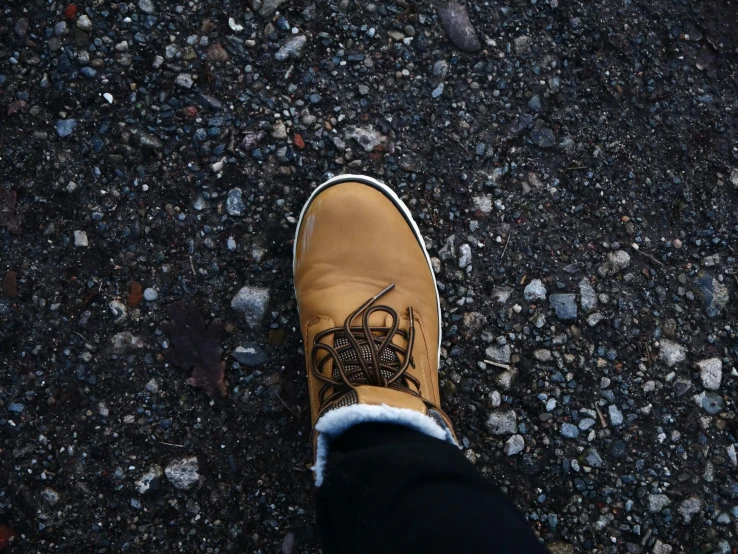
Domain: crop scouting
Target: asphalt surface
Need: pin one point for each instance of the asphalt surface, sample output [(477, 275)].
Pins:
[(573, 167)]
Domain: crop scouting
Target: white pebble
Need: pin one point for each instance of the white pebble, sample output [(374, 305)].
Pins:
[(80, 239)]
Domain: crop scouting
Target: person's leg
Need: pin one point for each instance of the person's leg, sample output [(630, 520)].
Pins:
[(370, 320), (389, 489)]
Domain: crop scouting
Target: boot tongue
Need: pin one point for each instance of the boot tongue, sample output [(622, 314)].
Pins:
[(350, 357)]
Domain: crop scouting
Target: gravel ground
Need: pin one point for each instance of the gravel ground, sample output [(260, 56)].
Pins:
[(573, 167)]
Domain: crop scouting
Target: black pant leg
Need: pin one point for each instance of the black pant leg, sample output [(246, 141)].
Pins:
[(388, 489)]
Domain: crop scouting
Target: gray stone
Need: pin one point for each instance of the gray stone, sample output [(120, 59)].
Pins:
[(16, 407), (711, 261), (514, 445), (292, 48), (252, 303), (184, 473), (495, 399), (734, 178), (365, 136), (483, 204), (614, 262), (565, 306), (458, 26), (474, 321), (522, 44), (559, 547), (535, 103), (569, 431), (126, 342), (234, 202), (671, 353), (616, 416), (21, 27), (709, 474), (586, 423), (118, 310), (144, 483), (102, 409), (268, 7), (171, 51), (712, 403), (594, 319), (84, 23), (723, 518), (150, 141), (690, 507), (250, 355), (150, 294), (733, 456), (711, 373), (65, 127), (211, 102), (593, 458), (542, 355), (184, 80), (682, 386), (507, 377), (251, 140), (543, 138), (662, 548), (714, 293), (535, 291), (152, 386), (448, 250), (588, 297), (465, 255), (501, 294), (80, 239), (521, 124), (499, 354), (502, 422), (440, 70), (146, 6), (657, 502), (50, 496), (438, 91), (279, 130)]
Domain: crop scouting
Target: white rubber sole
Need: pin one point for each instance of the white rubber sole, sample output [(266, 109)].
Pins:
[(392, 195)]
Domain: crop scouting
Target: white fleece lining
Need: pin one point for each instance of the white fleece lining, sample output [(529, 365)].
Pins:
[(336, 422)]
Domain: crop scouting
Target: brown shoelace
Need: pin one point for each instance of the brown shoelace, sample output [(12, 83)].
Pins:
[(365, 355)]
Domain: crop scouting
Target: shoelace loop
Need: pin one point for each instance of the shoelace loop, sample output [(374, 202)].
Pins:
[(373, 358)]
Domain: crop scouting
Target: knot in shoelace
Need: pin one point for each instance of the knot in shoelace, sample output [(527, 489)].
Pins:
[(364, 355)]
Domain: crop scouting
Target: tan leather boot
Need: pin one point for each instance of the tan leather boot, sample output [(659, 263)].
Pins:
[(369, 313)]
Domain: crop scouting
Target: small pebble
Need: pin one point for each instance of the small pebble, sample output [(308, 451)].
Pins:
[(80, 239), (569, 431), (152, 386), (534, 291), (514, 445), (616, 416), (65, 127), (184, 473), (184, 80), (84, 23)]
